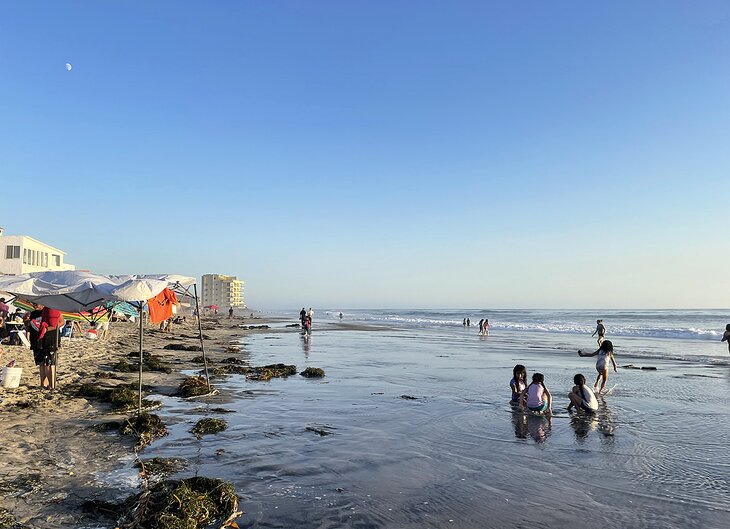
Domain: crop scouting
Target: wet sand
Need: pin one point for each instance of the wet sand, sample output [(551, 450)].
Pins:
[(54, 459), (407, 429)]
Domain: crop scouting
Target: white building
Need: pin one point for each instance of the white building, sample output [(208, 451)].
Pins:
[(20, 254), (224, 291)]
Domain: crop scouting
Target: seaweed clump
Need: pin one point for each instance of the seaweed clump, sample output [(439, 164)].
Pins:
[(122, 397), (209, 425), (145, 427), (149, 363), (161, 466), (270, 371), (191, 503), (182, 347), (313, 372), (193, 387), (8, 521)]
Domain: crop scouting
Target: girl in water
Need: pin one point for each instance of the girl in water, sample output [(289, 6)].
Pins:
[(581, 396), (726, 336), (518, 384), (537, 397), (604, 353)]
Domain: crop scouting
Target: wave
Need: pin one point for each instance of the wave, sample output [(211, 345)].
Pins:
[(639, 329)]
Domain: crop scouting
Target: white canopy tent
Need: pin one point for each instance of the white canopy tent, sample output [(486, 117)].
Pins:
[(76, 291)]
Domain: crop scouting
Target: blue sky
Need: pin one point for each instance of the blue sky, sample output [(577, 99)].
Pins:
[(378, 154)]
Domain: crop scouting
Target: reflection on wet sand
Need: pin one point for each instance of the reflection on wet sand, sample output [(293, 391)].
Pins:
[(537, 426), (603, 420)]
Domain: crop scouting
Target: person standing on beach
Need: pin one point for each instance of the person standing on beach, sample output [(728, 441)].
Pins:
[(600, 331), (485, 327), (604, 353), (726, 336), (310, 313), (481, 326), (230, 313), (464, 322), (303, 316), (468, 322), (47, 342)]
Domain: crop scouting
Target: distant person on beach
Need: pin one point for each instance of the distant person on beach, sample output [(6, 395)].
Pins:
[(310, 313), (481, 326), (726, 336), (308, 324), (303, 316), (581, 397), (600, 331), (604, 353), (340, 315), (468, 322), (518, 384), (537, 396), (485, 327), (230, 312), (464, 322)]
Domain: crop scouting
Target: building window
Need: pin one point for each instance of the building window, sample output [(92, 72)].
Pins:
[(56, 260), (12, 252), (45, 259), (25, 255)]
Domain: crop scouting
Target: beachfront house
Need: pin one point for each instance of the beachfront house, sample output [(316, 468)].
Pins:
[(20, 254), (223, 291)]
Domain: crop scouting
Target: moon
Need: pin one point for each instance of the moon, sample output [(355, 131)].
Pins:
[(68, 66)]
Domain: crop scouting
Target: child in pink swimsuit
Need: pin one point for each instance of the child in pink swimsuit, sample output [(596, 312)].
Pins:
[(538, 396)]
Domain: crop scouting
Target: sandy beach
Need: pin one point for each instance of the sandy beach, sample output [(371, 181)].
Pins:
[(55, 457)]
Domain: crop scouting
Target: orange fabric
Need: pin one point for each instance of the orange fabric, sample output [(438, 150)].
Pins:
[(161, 306)]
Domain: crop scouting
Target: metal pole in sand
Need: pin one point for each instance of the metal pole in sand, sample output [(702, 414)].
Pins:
[(200, 334), (141, 358)]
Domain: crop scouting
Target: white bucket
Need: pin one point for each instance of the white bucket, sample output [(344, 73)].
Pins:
[(11, 377)]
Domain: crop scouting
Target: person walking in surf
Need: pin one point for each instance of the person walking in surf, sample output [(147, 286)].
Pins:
[(481, 326), (600, 331), (726, 336), (604, 354)]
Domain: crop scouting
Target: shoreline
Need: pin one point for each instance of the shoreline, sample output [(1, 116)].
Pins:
[(54, 457)]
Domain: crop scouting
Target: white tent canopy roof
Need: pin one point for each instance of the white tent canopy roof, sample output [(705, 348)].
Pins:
[(75, 291)]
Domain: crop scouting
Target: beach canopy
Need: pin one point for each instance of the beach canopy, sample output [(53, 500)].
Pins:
[(76, 291), (211, 307), (79, 292)]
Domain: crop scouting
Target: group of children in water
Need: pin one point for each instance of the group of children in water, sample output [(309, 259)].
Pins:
[(537, 398)]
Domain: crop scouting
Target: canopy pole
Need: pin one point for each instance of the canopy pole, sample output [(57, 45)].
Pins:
[(200, 335), (141, 358)]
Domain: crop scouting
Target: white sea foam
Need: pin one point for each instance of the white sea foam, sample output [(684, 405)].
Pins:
[(645, 324)]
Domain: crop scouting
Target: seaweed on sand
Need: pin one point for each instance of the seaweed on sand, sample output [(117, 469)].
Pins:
[(182, 347), (8, 521), (189, 504), (270, 371), (193, 387), (313, 372), (209, 425), (145, 427), (149, 363), (161, 466), (122, 397)]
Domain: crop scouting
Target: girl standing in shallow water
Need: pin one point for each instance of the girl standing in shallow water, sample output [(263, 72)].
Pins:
[(604, 353)]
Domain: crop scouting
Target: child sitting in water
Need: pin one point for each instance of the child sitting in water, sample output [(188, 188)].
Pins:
[(581, 396), (537, 397), (518, 384)]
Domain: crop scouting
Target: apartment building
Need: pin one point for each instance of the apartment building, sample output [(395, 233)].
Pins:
[(224, 291), (20, 254)]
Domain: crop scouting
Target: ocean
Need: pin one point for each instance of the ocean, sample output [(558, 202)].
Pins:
[(420, 431)]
